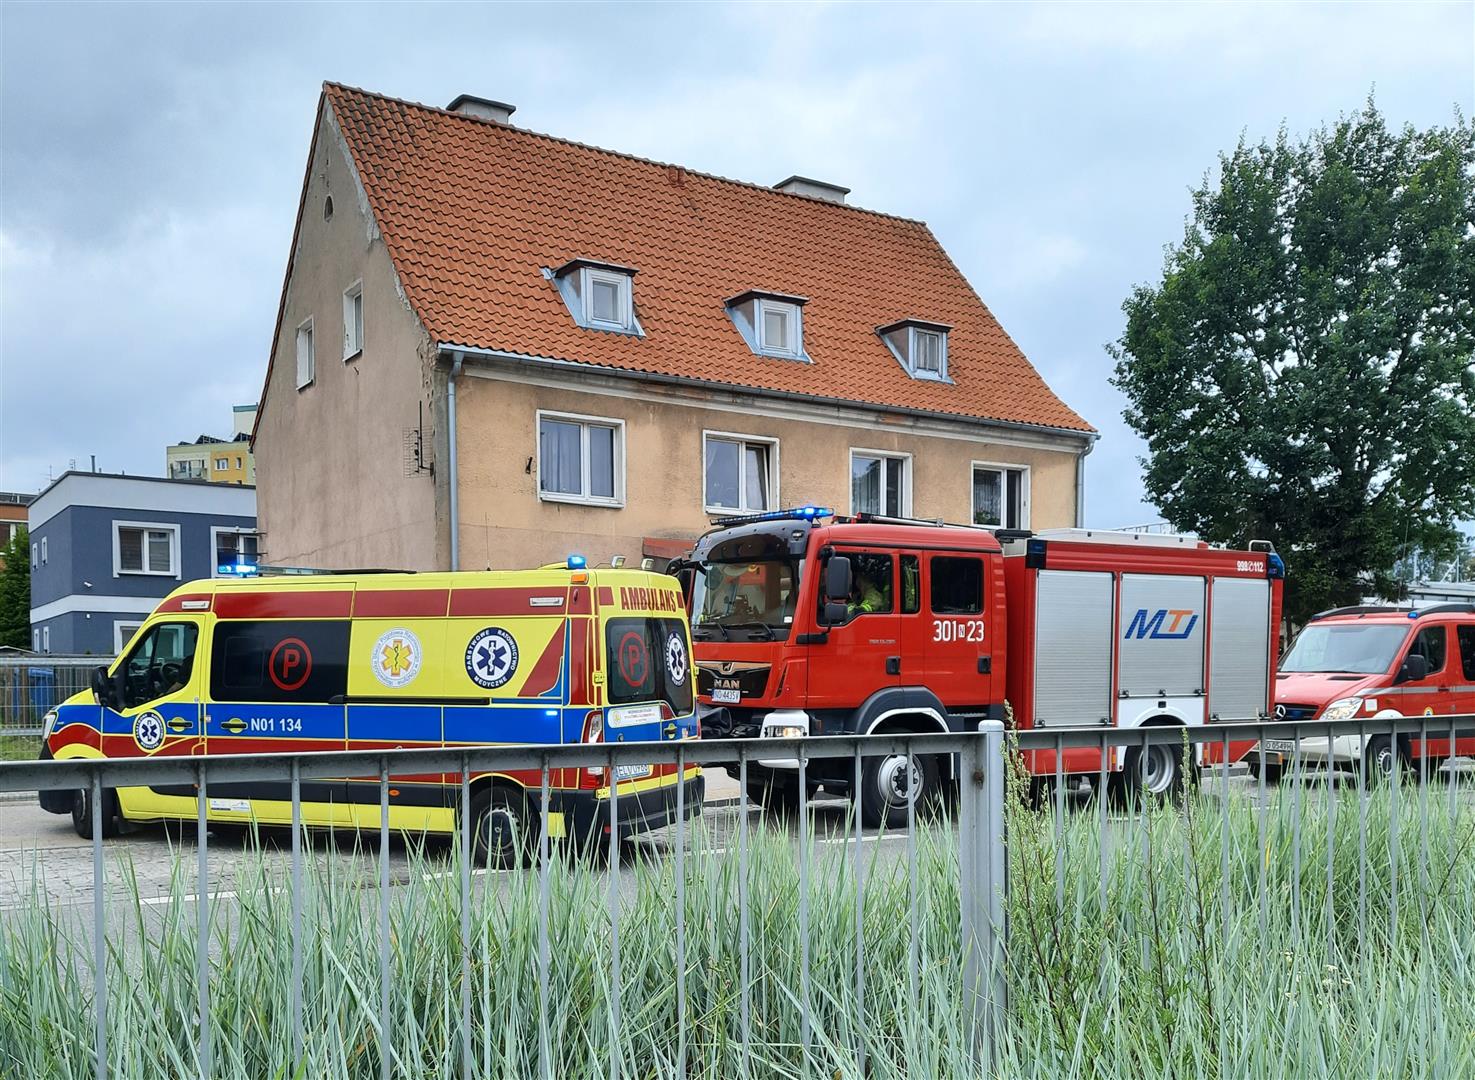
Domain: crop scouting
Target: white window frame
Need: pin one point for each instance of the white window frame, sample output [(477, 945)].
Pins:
[(1002, 467), (43, 551), (36, 639), (906, 476), (793, 348), (120, 638), (621, 282), (584, 422), (940, 374), (222, 463), (160, 526), (312, 353), (235, 530), (46, 639), (742, 440), (35, 555), (352, 347)]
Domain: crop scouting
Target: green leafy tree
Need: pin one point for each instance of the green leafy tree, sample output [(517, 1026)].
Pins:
[(15, 592), (1303, 371)]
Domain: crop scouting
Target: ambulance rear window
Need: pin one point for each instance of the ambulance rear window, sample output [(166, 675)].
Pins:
[(279, 660), (648, 660)]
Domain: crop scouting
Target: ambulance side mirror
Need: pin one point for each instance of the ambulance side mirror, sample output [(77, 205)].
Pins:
[(102, 687)]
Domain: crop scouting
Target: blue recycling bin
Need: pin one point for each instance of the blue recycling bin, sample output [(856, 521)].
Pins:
[(43, 689)]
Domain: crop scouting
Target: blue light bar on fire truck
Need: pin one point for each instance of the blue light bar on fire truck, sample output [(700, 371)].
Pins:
[(793, 513)]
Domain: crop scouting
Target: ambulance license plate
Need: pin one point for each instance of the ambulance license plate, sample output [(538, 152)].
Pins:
[(631, 772), (1279, 746), (727, 697)]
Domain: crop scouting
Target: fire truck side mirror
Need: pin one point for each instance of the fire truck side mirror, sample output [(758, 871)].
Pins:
[(685, 577), (1415, 667), (837, 579)]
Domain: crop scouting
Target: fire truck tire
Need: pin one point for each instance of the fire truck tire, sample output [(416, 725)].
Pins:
[(1272, 772), (1156, 771), (883, 795), (504, 828), (82, 812)]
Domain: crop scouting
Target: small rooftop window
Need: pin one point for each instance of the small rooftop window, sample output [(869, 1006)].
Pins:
[(920, 347), (599, 295), (771, 323)]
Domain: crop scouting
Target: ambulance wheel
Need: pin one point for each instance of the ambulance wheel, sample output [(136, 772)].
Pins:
[(1156, 771), (82, 812), (884, 782), (503, 828)]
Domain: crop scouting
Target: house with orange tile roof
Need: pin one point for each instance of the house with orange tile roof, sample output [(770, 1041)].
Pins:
[(495, 347)]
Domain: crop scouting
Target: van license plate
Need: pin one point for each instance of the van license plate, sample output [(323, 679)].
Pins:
[(727, 697), (631, 772)]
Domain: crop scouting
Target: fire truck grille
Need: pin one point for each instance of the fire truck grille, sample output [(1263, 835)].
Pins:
[(750, 679)]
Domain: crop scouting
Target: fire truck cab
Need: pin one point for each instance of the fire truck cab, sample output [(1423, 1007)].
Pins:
[(805, 624)]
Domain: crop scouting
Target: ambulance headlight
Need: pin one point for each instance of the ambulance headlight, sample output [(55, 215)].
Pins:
[(48, 722), (1345, 708)]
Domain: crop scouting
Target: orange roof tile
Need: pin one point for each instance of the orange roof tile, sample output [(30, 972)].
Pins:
[(471, 211)]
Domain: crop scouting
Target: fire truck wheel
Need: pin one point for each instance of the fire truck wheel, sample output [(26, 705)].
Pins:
[(1156, 771), (883, 788), (82, 812), (1272, 772), (503, 828)]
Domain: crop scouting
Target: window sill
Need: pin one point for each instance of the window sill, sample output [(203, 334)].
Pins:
[(145, 573), (303, 386), (714, 511), (581, 500), (353, 355)]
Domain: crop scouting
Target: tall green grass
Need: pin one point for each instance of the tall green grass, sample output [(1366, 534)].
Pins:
[(1158, 981)]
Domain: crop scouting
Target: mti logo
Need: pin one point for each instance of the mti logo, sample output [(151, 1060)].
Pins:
[(1180, 623)]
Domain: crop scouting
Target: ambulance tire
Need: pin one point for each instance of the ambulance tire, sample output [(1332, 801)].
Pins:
[(1158, 772), (883, 800), (82, 812), (504, 826)]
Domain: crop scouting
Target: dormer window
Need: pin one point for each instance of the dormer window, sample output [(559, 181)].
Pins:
[(919, 347), (599, 295), (771, 323)]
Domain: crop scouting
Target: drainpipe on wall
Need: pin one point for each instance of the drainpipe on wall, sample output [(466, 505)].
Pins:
[(1080, 480), (456, 359)]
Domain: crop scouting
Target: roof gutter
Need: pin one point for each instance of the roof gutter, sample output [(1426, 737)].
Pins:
[(472, 352), (457, 357)]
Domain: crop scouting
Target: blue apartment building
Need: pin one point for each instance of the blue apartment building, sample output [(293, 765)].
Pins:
[(105, 549)]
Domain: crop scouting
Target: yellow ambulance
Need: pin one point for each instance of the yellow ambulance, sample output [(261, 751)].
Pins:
[(561, 654)]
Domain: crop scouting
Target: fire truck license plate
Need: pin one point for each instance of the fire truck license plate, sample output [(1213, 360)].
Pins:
[(1280, 746), (727, 697), (631, 772)]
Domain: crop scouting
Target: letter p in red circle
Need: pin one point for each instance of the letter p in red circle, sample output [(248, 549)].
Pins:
[(290, 664)]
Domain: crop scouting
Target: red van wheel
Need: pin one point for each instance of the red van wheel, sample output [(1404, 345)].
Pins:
[(503, 829)]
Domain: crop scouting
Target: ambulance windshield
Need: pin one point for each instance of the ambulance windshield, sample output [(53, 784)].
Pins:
[(1342, 648), (745, 600)]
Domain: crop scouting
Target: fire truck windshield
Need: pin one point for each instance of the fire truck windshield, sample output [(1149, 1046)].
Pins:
[(1355, 649), (751, 598)]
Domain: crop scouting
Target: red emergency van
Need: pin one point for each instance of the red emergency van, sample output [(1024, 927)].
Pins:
[(805, 624), (1379, 663)]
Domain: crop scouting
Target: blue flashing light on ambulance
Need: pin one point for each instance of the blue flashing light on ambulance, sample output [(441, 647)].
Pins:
[(371, 661)]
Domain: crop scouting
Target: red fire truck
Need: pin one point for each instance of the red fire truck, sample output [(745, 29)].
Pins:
[(807, 624)]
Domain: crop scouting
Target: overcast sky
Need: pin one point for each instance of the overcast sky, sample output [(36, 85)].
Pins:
[(153, 156)]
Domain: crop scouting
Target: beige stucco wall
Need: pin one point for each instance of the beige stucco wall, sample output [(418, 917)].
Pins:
[(504, 523), (334, 488)]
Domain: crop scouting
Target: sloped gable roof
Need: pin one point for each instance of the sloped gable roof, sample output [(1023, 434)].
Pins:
[(472, 211)]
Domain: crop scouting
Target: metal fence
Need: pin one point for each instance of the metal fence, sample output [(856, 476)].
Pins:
[(995, 873), (31, 686)]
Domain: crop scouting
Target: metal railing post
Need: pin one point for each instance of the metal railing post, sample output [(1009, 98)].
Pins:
[(982, 892)]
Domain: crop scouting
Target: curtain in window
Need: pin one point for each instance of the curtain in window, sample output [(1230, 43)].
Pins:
[(865, 485), (988, 497), (159, 560), (130, 549), (757, 477), (722, 473), (559, 457), (601, 462)]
